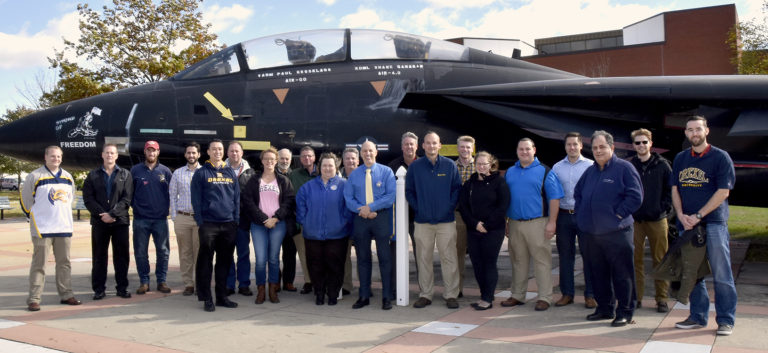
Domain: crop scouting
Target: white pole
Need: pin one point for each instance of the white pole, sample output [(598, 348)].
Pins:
[(401, 233)]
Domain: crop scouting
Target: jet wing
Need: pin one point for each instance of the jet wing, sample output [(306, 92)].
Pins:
[(582, 103)]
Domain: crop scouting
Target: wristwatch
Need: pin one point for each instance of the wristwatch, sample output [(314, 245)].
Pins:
[(698, 215)]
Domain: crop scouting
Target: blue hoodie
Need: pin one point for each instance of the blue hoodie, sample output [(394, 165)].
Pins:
[(606, 199), (320, 209), (215, 194)]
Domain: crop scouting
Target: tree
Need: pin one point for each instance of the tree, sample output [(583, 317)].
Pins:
[(749, 42), (10, 165), (130, 43)]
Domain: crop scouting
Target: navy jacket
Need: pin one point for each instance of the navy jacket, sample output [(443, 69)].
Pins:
[(606, 199), (433, 190), (321, 211), (215, 194), (151, 199)]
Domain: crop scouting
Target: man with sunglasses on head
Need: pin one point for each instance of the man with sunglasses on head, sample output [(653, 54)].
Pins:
[(651, 218)]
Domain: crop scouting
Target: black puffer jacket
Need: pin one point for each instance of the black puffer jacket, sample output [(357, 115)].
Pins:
[(657, 194)]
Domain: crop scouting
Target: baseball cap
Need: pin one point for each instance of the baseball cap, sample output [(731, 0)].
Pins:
[(152, 144)]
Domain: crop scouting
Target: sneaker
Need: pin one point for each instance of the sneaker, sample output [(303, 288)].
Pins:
[(724, 330), (688, 324)]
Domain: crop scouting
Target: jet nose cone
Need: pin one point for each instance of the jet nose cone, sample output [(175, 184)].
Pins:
[(26, 138)]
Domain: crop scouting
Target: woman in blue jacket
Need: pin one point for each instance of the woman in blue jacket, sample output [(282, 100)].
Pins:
[(321, 211)]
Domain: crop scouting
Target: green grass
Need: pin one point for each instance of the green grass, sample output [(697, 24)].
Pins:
[(751, 223)]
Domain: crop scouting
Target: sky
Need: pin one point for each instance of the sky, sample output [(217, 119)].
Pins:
[(30, 30)]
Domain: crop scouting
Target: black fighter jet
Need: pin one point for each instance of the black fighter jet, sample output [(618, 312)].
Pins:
[(330, 89)]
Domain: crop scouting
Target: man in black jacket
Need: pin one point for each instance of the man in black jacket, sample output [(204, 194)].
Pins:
[(651, 218), (107, 194)]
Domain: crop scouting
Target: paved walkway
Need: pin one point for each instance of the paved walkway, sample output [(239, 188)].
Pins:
[(174, 323)]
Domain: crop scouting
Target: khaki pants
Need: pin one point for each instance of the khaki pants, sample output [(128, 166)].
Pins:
[(298, 239), (41, 248), (656, 232), (188, 241), (461, 247), (444, 236), (527, 239)]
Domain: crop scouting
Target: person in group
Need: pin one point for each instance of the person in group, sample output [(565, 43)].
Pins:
[(466, 166), (288, 274), (269, 199), (651, 217), (702, 177), (298, 177), (535, 194), (370, 195), (184, 224), (240, 270), (216, 209), (409, 144), (151, 202), (321, 211), (107, 193), (432, 188), (606, 196), (568, 172), (182, 215), (47, 199), (350, 162), (483, 203)]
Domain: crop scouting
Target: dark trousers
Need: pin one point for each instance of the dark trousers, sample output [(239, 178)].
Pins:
[(241, 270), (101, 234), (610, 258), (218, 238), (325, 261), (567, 233), (380, 230), (289, 257), (484, 253)]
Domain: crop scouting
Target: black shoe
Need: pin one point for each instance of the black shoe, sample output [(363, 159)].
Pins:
[(208, 306), (124, 294), (662, 307), (319, 299), (306, 289), (479, 307), (99, 295), (461, 294), (345, 292), (451, 303), (361, 303), (421, 302), (599, 316), (230, 291), (225, 302), (246, 291), (619, 322), (386, 304), (332, 301)]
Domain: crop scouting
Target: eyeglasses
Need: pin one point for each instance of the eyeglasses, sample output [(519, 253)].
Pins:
[(639, 142)]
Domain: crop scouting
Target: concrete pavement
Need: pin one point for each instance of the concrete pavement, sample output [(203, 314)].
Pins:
[(174, 323)]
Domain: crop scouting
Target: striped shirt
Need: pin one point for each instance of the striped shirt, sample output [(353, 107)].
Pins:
[(179, 190)]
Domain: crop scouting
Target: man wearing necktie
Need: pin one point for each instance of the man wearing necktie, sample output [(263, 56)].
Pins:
[(370, 193)]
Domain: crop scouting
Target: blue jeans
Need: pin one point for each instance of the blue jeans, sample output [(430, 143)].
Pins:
[(142, 229), (243, 266), (719, 256), (567, 232), (266, 247)]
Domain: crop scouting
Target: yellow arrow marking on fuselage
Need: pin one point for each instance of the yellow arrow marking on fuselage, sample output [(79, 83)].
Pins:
[(225, 112)]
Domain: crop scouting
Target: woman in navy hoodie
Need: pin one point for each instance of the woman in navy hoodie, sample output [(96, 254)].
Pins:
[(321, 211), (606, 196)]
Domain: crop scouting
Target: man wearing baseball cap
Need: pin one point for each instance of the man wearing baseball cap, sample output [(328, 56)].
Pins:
[(150, 216)]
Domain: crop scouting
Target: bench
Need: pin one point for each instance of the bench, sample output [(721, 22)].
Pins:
[(5, 204), (79, 205)]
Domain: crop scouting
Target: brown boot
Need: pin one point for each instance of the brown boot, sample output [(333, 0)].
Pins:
[(261, 293), (273, 292)]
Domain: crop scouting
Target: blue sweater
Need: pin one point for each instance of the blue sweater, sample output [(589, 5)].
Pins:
[(151, 199), (215, 194), (432, 190), (320, 209), (606, 199)]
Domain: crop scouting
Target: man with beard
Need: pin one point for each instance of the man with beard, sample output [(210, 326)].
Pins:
[(151, 201), (107, 193), (182, 215), (702, 177)]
